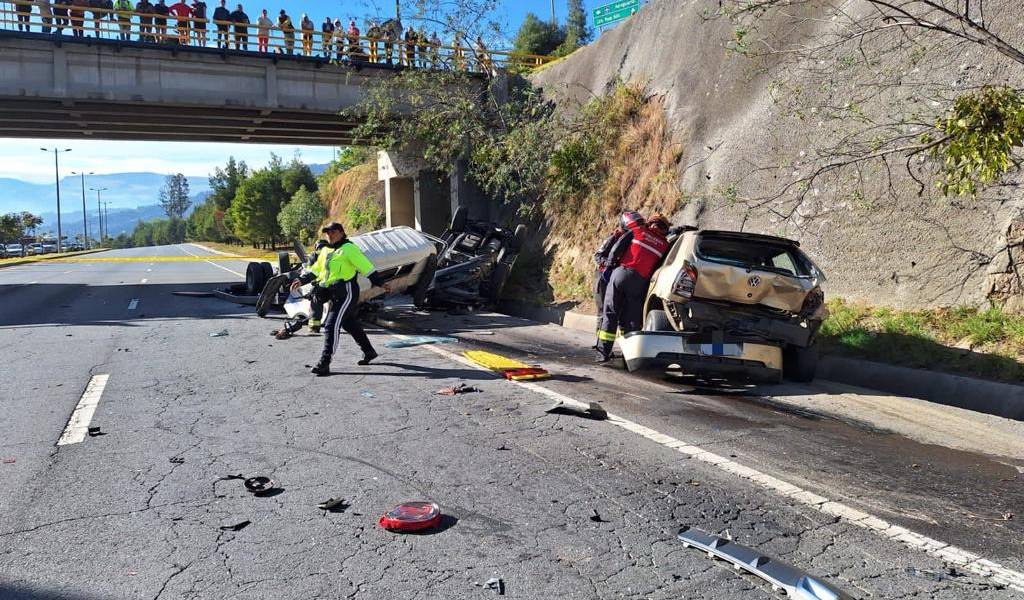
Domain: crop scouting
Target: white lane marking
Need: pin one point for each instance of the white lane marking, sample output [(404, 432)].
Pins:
[(144, 280), (33, 282), (78, 424), (66, 272), (133, 304), (213, 263), (149, 270), (947, 552)]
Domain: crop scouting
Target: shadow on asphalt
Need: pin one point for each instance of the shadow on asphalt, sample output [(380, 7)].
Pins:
[(10, 591), (73, 304)]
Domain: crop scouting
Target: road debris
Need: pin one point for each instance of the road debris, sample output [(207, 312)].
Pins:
[(411, 516), (333, 505), (593, 411), (779, 575), (9, 461), (236, 526), (221, 333), (511, 369), (178, 460), (455, 390), (366, 394), (94, 431), (596, 517), (421, 340), (496, 584), (259, 484)]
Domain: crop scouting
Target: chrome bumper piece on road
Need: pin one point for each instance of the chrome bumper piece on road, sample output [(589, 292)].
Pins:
[(796, 583), (650, 350)]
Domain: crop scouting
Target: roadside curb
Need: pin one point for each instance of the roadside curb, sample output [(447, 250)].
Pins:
[(990, 397), (28, 261)]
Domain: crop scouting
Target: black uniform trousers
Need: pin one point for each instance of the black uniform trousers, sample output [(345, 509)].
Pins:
[(623, 303), (343, 314)]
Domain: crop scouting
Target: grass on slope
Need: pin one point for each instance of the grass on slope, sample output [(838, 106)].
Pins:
[(984, 343)]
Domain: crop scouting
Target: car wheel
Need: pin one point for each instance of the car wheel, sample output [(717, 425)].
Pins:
[(255, 278), (459, 219), (268, 271), (800, 364), (657, 320), (419, 292), (496, 285), (519, 238), (284, 263)]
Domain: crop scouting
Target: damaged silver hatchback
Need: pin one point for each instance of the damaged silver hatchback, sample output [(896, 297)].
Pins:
[(731, 304)]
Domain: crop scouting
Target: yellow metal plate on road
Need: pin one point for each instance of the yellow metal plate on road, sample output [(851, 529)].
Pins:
[(494, 362)]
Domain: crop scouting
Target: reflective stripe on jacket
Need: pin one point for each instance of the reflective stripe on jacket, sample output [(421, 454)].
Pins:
[(645, 251), (341, 264)]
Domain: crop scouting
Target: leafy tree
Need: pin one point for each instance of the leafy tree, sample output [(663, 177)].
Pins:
[(174, 196), (295, 176), (224, 183), (10, 227), (256, 205), (537, 36), (29, 222), (206, 223), (301, 217)]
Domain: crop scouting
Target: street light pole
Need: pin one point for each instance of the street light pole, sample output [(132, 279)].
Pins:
[(85, 215), (106, 217), (56, 173), (99, 208)]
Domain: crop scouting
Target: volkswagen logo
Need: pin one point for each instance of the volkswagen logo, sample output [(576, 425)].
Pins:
[(754, 281)]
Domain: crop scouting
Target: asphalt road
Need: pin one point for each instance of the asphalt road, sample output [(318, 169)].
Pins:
[(141, 511)]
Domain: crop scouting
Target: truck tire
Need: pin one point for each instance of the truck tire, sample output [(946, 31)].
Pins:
[(419, 291), (459, 219), (268, 271), (255, 278), (800, 364), (284, 263), (657, 320), (499, 277)]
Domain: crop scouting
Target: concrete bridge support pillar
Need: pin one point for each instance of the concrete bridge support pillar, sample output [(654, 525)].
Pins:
[(415, 196)]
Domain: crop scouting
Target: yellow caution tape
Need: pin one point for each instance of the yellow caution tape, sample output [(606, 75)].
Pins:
[(165, 259)]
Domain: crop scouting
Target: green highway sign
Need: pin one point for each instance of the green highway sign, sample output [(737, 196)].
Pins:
[(614, 12)]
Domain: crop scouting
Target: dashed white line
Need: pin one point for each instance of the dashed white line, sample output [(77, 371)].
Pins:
[(133, 304), (947, 552), (212, 263), (144, 280), (78, 424)]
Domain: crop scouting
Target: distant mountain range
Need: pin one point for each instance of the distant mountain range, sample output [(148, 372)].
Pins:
[(133, 197)]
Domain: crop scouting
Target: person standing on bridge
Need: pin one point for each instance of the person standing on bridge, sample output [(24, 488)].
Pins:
[(284, 23), (199, 22), (145, 11), (374, 35), (160, 21), (221, 18), (337, 273), (263, 26), (123, 9), (45, 13), (355, 46), (77, 12), (60, 15), (308, 27), (241, 21), (326, 35), (183, 13)]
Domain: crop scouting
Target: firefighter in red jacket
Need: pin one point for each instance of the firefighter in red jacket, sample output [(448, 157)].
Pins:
[(635, 257), (627, 222)]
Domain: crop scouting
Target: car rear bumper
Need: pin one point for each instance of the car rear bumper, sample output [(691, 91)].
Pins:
[(659, 350)]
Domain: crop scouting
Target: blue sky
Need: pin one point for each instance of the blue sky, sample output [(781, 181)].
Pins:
[(22, 159)]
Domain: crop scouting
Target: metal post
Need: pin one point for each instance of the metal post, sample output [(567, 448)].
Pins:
[(554, 20), (85, 217), (99, 209), (106, 216), (56, 175)]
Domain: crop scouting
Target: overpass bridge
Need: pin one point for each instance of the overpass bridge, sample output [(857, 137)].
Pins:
[(122, 76)]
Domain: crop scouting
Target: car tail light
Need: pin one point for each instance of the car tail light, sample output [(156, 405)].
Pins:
[(686, 281), (812, 302)]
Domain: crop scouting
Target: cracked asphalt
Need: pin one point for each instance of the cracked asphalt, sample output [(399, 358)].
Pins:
[(556, 506)]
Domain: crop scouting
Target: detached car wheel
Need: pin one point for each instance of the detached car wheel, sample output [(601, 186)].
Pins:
[(800, 364), (657, 320)]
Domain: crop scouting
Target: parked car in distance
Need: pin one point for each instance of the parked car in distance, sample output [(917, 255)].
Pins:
[(34, 249), (14, 251), (732, 303), (48, 248)]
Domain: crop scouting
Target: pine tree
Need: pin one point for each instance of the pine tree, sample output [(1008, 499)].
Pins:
[(174, 196), (576, 24)]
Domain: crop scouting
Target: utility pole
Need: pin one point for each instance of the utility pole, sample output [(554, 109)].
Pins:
[(398, 10), (85, 216), (554, 20), (106, 217), (56, 174)]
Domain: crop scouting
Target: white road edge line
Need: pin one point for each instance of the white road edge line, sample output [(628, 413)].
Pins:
[(947, 552), (144, 281), (133, 304), (78, 424), (213, 263)]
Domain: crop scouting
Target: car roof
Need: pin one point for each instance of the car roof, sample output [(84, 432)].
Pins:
[(743, 235)]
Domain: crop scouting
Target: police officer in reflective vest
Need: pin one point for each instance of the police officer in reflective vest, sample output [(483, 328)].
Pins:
[(627, 222), (635, 257), (336, 273)]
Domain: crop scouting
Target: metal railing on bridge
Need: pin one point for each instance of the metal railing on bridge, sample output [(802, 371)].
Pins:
[(80, 20)]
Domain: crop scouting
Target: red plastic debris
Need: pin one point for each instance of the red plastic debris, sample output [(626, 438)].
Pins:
[(9, 461), (412, 516)]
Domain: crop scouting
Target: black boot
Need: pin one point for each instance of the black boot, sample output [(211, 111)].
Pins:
[(368, 355), (604, 352), (323, 367)]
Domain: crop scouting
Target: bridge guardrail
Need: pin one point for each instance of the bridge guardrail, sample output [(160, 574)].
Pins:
[(81, 20)]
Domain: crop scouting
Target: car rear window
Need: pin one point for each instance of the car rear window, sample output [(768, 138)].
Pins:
[(754, 254)]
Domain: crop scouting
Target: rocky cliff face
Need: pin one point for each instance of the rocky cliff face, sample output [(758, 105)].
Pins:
[(751, 130)]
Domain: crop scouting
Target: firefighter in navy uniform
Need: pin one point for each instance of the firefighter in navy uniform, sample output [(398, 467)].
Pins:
[(627, 222), (336, 272), (635, 257)]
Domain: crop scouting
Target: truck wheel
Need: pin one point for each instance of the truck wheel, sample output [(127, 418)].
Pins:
[(284, 263), (268, 271), (519, 238), (255, 278), (657, 320), (499, 277), (419, 292), (800, 364), (459, 219)]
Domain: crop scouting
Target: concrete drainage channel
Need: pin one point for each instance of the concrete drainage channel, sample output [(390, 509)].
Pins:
[(990, 397)]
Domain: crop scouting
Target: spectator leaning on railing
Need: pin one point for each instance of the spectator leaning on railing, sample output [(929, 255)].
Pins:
[(145, 10), (199, 22), (160, 21), (123, 9), (241, 21), (307, 27), (222, 16), (183, 14), (327, 32)]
